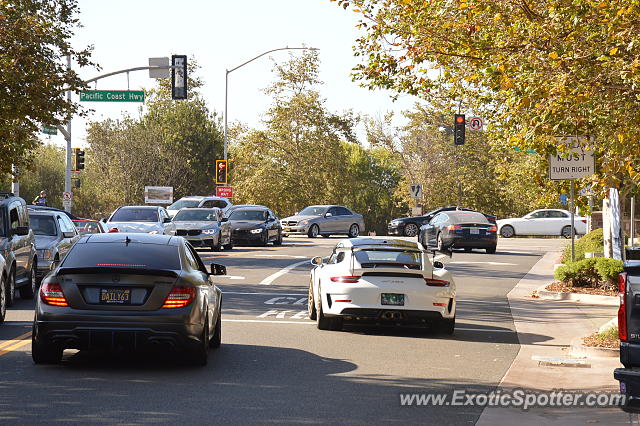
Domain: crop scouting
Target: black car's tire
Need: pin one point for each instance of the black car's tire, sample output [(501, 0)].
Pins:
[(566, 232), (216, 340), (507, 231), (446, 326), (200, 354), (278, 241), (313, 231), (354, 230), (311, 305), (44, 354), (217, 246), (491, 250), (3, 300), (411, 230), (264, 239), (439, 242), (327, 323), (228, 246), (29, 290), (11, 288)]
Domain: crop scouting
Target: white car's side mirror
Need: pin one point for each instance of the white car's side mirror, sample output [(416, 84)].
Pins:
[(317, 261)]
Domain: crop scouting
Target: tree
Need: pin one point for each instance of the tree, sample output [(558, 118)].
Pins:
[(35, 36)]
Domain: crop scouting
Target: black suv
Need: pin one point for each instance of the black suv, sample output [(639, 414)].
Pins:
[(18, 247)]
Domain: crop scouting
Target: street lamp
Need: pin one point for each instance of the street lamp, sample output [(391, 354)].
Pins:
[(226, 84)]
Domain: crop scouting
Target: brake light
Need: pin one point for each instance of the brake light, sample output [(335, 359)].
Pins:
[(51, 294), (436, 283), (622, 310), (179, 297), (348, 280), (492, 229), (454, 228)]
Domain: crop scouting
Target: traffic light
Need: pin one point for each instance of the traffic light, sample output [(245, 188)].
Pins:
[(179, 77), (76, 183), (221, 172), (78, 159), (458, 129)]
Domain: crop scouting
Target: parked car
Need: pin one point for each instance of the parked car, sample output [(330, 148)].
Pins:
[(459, 229), (629, 333), (194, 201), (410, 226), (203, 228), (18, 248), (147, 219), (255, 225), (90, 226), (385, 281), (552, 222), (132, 291), (55, 234), (3, 292), (325, 220), (53, 209)]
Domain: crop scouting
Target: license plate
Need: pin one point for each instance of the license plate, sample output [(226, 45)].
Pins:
[(392, 299), (115, 296), (474, 231), (287, 229)]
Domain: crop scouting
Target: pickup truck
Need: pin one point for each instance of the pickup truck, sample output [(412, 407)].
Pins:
[(629, 333)]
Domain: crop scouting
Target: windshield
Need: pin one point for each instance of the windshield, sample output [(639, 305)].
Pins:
[(313, 211), (87, 227), (196, 215), (135, 215), (182, 204), (399, 258), (259, 215), (43, 225)]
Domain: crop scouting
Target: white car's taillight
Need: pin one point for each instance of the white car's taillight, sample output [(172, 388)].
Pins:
[(347, 279)]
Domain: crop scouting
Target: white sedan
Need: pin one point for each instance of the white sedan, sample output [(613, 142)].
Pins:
[(543, 222), (388, 281)]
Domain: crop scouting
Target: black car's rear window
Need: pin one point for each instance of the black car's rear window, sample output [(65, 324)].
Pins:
[(121, 255), (467, 217)]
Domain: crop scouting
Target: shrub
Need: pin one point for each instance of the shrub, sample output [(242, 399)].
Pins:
[(591, 242), (592, 272)]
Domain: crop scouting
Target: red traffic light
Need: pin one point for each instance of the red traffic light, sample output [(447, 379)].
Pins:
[(459, 119)]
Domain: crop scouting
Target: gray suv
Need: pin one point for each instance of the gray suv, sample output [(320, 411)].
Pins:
[(17, 246)]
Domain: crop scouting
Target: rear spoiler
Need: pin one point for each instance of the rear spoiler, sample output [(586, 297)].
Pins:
[(106, 270)]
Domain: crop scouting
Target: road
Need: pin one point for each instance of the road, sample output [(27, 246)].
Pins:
[(274, 365)]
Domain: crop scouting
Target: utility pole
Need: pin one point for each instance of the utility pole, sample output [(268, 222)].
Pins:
[(67, 136)]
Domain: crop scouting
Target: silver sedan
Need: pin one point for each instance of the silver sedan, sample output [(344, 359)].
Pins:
[(324, 220)]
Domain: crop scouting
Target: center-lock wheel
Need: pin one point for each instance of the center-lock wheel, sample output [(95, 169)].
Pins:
[(326, 323), (311, 306)]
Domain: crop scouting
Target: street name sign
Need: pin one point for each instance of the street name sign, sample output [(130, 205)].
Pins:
[(50, 130), (224, 191), (575, 164), (112, 96)]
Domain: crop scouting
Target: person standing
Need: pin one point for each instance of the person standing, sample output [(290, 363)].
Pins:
[(41, 200)]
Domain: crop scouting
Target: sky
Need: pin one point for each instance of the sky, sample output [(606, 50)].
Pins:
[(221, 35)]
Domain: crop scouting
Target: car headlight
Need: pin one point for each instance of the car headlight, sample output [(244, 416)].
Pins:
[(46, 254), (395, 222), (209, 231), (256, 231), (303, 222)]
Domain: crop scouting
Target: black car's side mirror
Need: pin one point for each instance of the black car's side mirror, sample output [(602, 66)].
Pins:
[(217, 269), (21, 230), (224, 219), (166, 220), (437, 264)]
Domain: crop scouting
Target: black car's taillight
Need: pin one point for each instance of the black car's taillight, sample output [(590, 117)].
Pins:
[(622, 310), (51, 294)]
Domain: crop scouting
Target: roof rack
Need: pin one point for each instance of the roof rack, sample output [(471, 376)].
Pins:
[(6, 194)]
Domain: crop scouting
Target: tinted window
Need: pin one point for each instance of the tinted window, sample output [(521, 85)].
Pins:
[(260, 215), (121, 255), (182, 204), (190, 260), (87, 227), (403, 257), (343, 211), (313, 211), (467, 217), (43, 225), (14, 220), (539, 215), (132, 214), (557, 213), (197, 215), (215, 203), (1, 222)]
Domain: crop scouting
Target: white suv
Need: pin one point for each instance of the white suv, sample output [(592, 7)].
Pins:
[(199, 201)]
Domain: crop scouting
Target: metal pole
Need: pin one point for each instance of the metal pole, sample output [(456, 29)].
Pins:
[(67, 174), (226, 91), (15, 184), (633, 224), (573, 231)]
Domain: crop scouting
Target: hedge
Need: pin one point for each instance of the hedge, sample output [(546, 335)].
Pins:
[(592, 272), (591, 242)]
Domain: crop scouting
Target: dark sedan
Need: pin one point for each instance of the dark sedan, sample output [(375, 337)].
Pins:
[(255, 225), (119, 291), (410, 226), (459, 229)]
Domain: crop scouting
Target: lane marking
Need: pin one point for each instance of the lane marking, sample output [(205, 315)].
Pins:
[(282, 255), (481, 301), (271, 278), (16, 343), (482, 263), (270, 321), (231, 277)]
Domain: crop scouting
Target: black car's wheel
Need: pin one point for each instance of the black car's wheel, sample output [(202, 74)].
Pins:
[(42, 353), (411, 230), (507, 231), (264, 238), (216, 340), (11, 288), (311, 306), (29, 290), (326, 323), (228, 246), (354, 231), (313, 231), (200, 354), (278, 241), (446, 326), (3, 300), (217, 246), (566, 232), (440, 242), (491, 250)]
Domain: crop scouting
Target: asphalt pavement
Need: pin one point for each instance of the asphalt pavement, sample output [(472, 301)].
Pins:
[(274, 365)]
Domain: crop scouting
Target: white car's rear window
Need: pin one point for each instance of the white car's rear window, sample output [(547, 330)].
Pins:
[(373, 258)]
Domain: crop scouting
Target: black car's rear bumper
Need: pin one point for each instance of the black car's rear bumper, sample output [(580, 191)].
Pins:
[(471, 242), (629, 386)]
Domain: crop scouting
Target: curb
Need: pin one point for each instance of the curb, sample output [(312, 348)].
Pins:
[(578, 350), (592, 299)]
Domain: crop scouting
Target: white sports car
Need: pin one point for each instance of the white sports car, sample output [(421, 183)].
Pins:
[(383, 281)]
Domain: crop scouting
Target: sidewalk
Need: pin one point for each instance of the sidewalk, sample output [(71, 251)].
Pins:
[(559, 322)]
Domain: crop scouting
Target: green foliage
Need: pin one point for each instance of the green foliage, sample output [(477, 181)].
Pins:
[(35, 37), (592, 242), (590, 272)]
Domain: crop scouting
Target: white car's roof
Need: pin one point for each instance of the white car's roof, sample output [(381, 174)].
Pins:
[(379, 242), (202, 197)]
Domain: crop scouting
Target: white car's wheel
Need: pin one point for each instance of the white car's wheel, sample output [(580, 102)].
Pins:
[(566, 232), (311, 305), (507, 231), (323, 322)]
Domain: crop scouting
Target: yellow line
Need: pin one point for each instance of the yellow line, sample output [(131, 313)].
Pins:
[(16, 343)]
